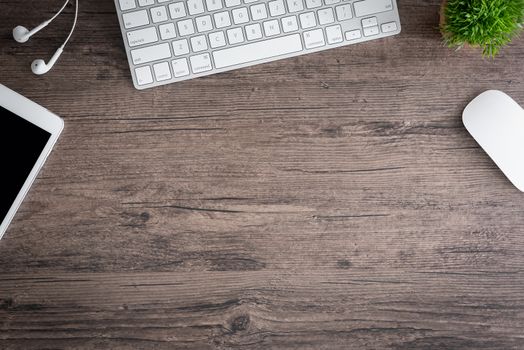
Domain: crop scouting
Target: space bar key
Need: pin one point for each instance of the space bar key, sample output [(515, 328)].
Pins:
[(257, 51)]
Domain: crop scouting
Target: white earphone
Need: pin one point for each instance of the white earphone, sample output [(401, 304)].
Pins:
[(22, 34)]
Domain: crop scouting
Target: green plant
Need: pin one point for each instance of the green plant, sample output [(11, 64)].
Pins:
[(488, 24)]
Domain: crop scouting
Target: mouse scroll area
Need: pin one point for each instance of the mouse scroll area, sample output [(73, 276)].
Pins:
[(496, 122)]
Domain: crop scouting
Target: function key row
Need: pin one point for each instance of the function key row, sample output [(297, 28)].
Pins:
[(212, 5), (181, 9), (362, 7)]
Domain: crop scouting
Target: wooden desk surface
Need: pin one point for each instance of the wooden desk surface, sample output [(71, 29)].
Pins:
[(331, 201)]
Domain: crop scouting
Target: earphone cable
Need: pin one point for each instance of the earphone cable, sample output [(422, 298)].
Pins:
[(59, 11), (74, 23)]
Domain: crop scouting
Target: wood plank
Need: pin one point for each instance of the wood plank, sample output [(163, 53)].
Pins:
[(344, 309)]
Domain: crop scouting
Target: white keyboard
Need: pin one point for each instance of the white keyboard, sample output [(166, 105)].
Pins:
[(172, 40)]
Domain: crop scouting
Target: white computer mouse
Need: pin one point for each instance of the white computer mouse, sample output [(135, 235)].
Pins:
[(496, 122)]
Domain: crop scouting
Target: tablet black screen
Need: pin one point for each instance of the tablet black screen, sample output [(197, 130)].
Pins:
[(21, 143)]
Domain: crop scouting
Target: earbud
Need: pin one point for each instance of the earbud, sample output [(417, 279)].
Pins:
[(22, 34), (39, 66)]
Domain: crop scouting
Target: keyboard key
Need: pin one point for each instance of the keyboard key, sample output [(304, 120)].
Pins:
[(231, 3), (311, 4), (257, 51), (353, 35), (314, 38), (271, 27), (180, 47), (135, 19), (180, 67), (143, 75), (258, 12), (253, 31), (240, 15), (369, 31), (249, 1), (142, 36), (186, 27), (213, 5), (295, 5), (167, 31), (331, 2), (344, 12), (370, 7), (326, 16), (146, 2), (389, 27), (217, 39), (204, 23), (369, 22), (334, 34), (159, 14), (177, 10), (235, 36), (127, 4), (151, 53), (307, 20), (195, 6), (222, 19), (200, 63), (276, 8), (199, 43), (162, 71), (289, 24)]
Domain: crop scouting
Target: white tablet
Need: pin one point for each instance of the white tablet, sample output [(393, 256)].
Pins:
[(28, 132)]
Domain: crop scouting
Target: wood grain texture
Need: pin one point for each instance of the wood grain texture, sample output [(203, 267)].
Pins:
[(330, 201)]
